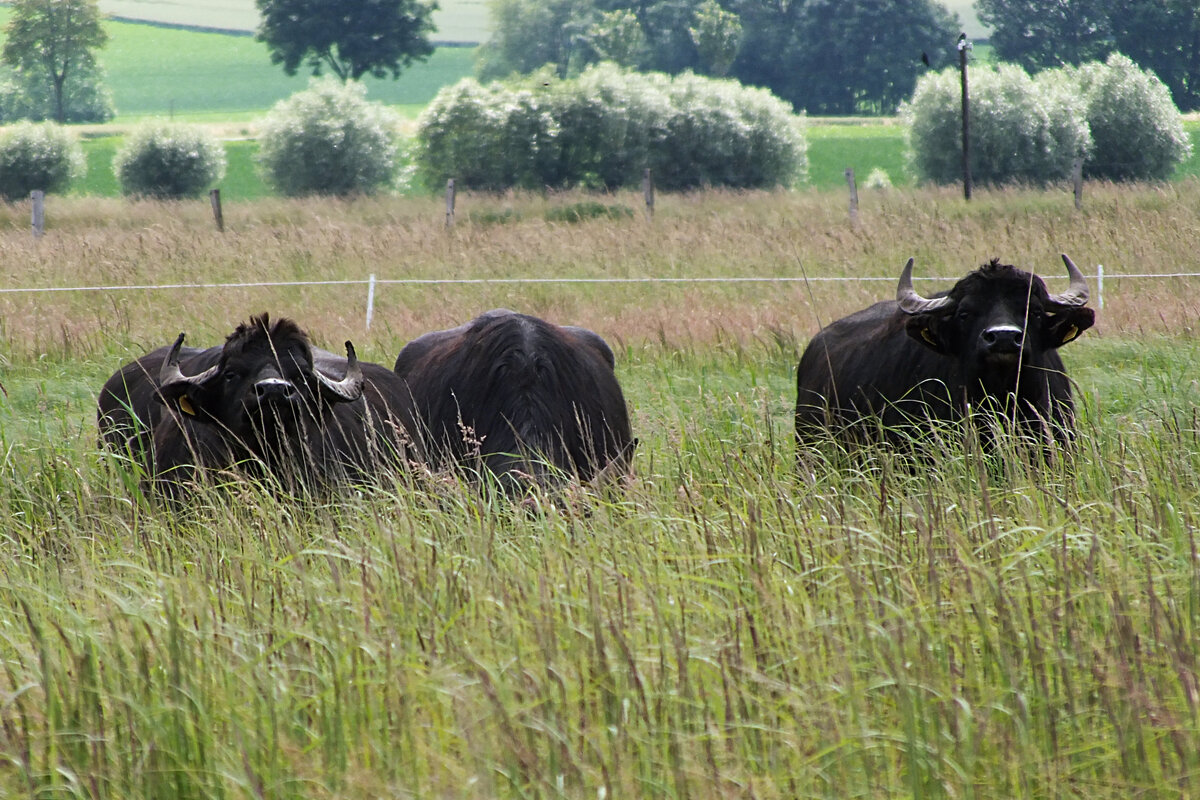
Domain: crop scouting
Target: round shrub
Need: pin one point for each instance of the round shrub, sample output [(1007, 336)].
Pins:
[(329, 140), (169, 161), (1137, 131), (38, 156), (1021, 130), (602, 129)]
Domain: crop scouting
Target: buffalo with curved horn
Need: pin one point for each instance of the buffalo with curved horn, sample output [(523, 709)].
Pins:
[(266, 399), (989, 343)]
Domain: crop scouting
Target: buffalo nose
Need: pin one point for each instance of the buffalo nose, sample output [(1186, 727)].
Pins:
[(274, 389), (1003, 339)]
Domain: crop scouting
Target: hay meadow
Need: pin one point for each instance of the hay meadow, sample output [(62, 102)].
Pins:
[(735, 624)]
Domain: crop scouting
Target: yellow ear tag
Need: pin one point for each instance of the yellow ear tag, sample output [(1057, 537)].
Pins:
[(927, 336), (185, 406), (1071, 333)]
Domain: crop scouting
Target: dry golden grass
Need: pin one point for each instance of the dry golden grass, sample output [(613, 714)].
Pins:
[(98, 242)]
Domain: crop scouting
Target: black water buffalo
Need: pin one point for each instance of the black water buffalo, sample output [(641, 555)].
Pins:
[(527, 400), (266, 400), (990, 343)]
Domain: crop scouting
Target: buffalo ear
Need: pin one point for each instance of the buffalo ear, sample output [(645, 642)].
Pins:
[(1065, 326), (928, 329), (184, 399)]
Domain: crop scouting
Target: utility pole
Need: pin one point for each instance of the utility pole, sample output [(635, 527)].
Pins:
[(963, 47)]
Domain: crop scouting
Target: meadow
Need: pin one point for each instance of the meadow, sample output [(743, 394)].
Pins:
[(732, 625)]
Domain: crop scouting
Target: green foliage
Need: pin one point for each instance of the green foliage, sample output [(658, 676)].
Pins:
[(41, 156), (1021, 130), (618, 37), (604, 128), (29, 94), (850, 57), (169, 161), (1159, 35), (717, 34), (351, 38), (530, 34), (329, 140), (1137, 132), (1037, 35), (54, 38)]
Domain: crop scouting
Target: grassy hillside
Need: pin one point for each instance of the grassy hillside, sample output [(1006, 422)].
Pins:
[(198, 76), (456, 20)]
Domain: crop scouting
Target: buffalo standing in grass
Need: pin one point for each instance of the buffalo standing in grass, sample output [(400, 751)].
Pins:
[(266, 400), (990, 343), (526, 400)]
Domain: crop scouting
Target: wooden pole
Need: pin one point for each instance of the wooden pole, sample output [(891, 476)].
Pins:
[(853, 194), (963, 47), (1077, 179), (450, 199), (214, 197), (648, 192), (38, 198)]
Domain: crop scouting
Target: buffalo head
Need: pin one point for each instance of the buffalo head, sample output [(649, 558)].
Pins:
[(263, 385)]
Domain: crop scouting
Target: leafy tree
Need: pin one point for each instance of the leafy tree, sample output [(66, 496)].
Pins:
[(843, 56), (1038, 35), (618, 37), (30, 95), (54, 38), (717, 34), (1163, 36), (529, 34), (349, 37)]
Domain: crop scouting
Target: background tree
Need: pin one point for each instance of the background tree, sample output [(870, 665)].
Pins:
[(717, 34), (1163, 36), (529, 34), (843, 56), (1038, 35), (349, 37), (55, 38)]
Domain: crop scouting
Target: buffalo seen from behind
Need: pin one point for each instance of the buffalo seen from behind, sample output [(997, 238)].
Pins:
[(266, 401), (530, 402), (989, 344)]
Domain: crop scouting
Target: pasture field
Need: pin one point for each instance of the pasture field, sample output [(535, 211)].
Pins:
[(198, 76), (731, 626), (456, 20)]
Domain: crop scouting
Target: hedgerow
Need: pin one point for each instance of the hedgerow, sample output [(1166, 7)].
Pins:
[(604, 128)]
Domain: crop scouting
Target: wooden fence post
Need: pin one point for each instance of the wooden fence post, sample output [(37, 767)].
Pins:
[(450, 203), (214, 197), (853, 194), (648, 192), (1077, 179), (38, 197)]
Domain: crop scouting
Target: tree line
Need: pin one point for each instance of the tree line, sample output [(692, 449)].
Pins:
[(831, 57), (838, 57)]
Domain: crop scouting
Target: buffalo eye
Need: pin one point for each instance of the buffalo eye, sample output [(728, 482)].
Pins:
[(231, 377)]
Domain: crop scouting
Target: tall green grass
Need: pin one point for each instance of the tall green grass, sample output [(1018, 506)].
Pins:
[(729, 627)]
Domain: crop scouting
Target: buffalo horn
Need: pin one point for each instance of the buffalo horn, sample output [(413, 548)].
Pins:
[(910, 301), (170, 374), (1077, 294), (350, 387)]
